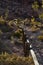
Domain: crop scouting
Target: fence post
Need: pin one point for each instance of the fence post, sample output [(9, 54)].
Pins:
[(26, 45), (23, 39)]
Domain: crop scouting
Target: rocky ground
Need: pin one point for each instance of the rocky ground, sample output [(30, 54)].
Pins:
[(11, 9), (20, 9), (16, 46)]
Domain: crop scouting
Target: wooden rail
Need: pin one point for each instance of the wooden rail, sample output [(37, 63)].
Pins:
[(33, 54), (34, 57)]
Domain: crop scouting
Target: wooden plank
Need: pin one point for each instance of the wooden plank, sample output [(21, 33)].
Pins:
[(33, 54), (34, 57)]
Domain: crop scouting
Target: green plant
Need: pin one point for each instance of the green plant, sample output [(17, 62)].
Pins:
[(1, 32), (40, 37), (35, 6), (6, 13), (41, 16), (17, 33), (2, 21)]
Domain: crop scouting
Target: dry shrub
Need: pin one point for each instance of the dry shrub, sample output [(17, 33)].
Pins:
[(12, 59)]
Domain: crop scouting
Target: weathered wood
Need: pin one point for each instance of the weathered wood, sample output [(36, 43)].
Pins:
[(23, 39), (34, 57)]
